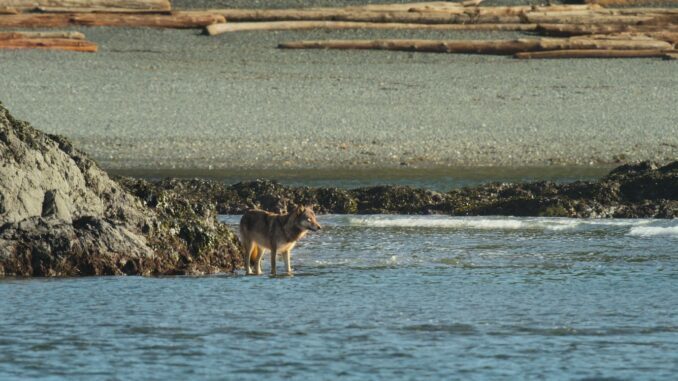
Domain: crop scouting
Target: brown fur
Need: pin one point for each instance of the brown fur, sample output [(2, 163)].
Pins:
[(261, 230)]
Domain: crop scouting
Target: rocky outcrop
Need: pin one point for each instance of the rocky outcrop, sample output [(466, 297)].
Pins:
[(629, 191), (61, 215)]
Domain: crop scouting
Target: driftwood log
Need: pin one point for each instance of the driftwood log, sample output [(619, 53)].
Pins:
[(157, 5), (216, 29), (8, 10), (99, 10), (583, 29), (591, 19), (404, 7), (670, 37), (595, 53), (60, 20), (347, 14), (452, 14), (17, 35), (49, 43), (499, 47), (629, 2)]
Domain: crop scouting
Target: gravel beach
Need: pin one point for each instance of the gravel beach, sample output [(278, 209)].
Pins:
[(176, 99)]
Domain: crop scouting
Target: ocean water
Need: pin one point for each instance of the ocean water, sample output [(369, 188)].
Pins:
[(375, 297)]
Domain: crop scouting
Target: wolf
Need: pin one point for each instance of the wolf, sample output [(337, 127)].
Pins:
[(260, 230)]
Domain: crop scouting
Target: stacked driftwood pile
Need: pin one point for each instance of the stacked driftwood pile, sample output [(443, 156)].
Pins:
[(580, 30), (66, 13), (569, 31), (123, 13)]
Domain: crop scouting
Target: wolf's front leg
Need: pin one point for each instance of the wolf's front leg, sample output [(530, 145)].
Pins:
[(273, 254), (288, 264)]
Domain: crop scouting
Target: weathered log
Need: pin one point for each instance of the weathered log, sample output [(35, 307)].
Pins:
[(640, 11), (563, 14), (49, 43), (546, 14), (591, 53), (67, 35), (670, 37), (506, 10), (471, 3), (60, 20), (8, 10), (512, 10), (499, 47), (341, 14), (158, 5), (99, 10), (583, 29), (628, 2), (216, 29), (593, 19), (566, 7), (449, 11), (405, 7), (378, 13), (606, 12)]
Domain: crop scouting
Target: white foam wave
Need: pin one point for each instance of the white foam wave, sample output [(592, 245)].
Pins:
[(651, 231), (638, 227), (466, 222)]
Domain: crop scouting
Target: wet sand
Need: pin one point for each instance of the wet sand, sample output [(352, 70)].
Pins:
[(174, 99)]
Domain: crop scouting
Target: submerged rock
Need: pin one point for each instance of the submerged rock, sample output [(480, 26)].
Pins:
[(630, 191), (61, 215)]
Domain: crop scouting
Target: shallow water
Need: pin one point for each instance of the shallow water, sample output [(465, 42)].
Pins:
[(437, 178), (375, 297)]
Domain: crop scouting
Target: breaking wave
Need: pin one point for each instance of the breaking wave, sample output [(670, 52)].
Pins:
[(632, 227), (651, 231), (490, 223)]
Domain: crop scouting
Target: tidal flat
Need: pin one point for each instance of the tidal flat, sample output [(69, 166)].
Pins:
[(175, 99)]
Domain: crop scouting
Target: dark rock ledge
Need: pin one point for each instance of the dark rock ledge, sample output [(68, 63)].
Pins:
[(61, 215), (642, 190)]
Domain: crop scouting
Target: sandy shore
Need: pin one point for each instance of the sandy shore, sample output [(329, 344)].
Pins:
[(178, 99)]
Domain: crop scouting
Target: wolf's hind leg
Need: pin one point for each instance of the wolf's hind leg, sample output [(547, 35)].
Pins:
[(260, 257), (254, 258), (248, 247)]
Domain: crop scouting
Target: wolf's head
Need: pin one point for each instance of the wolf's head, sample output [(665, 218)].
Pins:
[(305, 219)]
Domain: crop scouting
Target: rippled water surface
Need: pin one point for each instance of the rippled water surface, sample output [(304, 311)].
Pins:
[(377, 297)]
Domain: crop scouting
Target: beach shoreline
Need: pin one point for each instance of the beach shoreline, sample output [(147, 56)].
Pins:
[(433, 178), (175, 99)]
